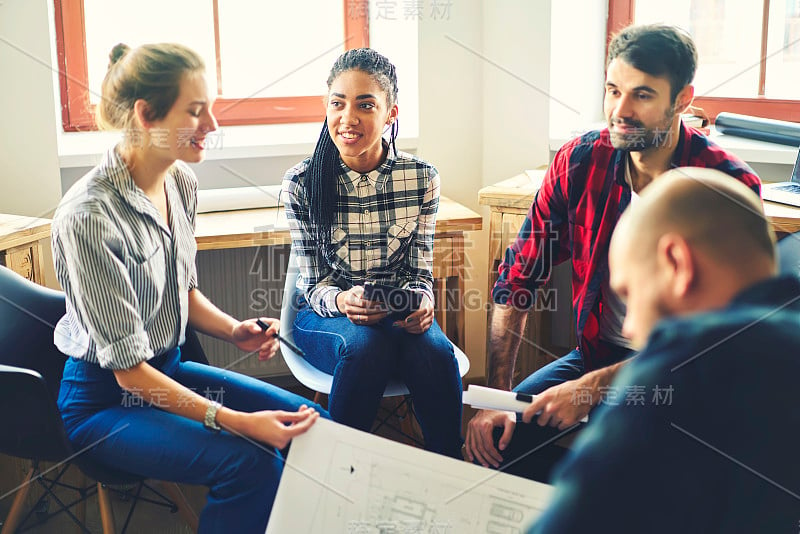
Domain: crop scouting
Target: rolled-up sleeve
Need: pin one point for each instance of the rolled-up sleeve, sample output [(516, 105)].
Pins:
[(542, 241), (89, 260)]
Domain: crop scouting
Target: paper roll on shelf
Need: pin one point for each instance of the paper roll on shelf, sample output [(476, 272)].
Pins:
[(770, 130), (239, 198)]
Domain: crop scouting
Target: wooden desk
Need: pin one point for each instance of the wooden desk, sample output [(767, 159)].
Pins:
[(785, 219), (236, 229), (509, 201), (21, 245)]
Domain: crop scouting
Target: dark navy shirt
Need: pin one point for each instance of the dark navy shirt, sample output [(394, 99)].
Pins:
[(711, 444)]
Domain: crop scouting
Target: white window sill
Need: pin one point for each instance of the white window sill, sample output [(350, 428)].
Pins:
[(85, 149), (749, 150)]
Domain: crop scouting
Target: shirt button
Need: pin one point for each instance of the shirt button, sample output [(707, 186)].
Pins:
[(369, 243), (366, 212), (364, 178)]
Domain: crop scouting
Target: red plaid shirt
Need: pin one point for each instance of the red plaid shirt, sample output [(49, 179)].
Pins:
[(583, 194)]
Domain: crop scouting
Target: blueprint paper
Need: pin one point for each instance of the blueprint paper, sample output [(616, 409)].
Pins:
[(341, 480)]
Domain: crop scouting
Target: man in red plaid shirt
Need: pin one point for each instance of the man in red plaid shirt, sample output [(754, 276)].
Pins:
[(591, 181)]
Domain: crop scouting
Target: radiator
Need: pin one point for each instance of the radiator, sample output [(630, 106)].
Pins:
[(245, 283)]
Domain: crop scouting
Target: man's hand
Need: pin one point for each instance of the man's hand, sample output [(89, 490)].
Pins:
[(359, 310), (480, 441), (419, 321), (564, 405)]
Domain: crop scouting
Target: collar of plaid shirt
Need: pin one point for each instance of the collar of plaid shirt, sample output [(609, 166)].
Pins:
[(378, 176)]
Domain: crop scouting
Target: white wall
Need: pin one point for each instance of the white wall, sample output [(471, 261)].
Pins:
[(516, 84), (577, 67), (483, 116), (451, 126), (29, 173)]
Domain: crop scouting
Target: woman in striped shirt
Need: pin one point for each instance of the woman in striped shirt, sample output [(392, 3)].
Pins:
[(124, 252), (361, 211)]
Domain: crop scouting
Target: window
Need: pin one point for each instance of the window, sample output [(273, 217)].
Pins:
[(749, 52), (237, 39)]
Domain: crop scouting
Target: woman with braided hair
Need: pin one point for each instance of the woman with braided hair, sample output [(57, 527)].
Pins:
[(361, 211)]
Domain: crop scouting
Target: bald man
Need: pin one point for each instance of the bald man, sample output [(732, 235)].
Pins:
[(708, 440)]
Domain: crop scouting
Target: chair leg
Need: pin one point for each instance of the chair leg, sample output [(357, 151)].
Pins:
[(321, 399), (12, 521), (184, 508), (80, 510), (106, 510), (408, 424)]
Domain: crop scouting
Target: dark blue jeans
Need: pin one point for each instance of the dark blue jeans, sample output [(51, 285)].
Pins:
[(362, 359), (531, 453), (132, 436)]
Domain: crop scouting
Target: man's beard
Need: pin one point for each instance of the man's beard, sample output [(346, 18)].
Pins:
[(640, 137)]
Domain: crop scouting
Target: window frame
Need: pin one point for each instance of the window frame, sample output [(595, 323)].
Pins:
[(621, 13), (77, 113)]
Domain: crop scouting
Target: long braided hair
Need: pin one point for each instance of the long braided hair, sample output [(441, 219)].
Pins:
[(321, 184)]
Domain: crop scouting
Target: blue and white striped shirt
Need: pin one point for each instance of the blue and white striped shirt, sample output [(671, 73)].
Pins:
[(126, 274)]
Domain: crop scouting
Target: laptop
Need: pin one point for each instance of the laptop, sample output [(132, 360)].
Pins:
[(785, 192)]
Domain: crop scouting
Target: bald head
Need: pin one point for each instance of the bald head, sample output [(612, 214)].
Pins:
[(708, 208), (695, 239)]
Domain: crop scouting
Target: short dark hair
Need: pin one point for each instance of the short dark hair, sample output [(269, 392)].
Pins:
[(658, 50)]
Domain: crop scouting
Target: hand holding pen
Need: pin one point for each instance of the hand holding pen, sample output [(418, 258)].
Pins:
[(294, 348)]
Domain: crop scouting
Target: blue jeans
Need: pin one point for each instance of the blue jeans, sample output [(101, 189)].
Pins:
[(134, 437), (362, 359), (530, 453)]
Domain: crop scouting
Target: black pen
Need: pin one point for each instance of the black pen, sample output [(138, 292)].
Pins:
[(264, 326)]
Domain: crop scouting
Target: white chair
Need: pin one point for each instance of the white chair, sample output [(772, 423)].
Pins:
[(310, 376)]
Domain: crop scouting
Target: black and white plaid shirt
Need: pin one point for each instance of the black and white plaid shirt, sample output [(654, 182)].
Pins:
[(382, 232), (125, 272)]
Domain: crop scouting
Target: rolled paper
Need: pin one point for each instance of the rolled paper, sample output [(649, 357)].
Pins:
[(770, 130)]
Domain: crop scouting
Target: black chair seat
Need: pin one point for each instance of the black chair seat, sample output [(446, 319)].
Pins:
[(30, 377)]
